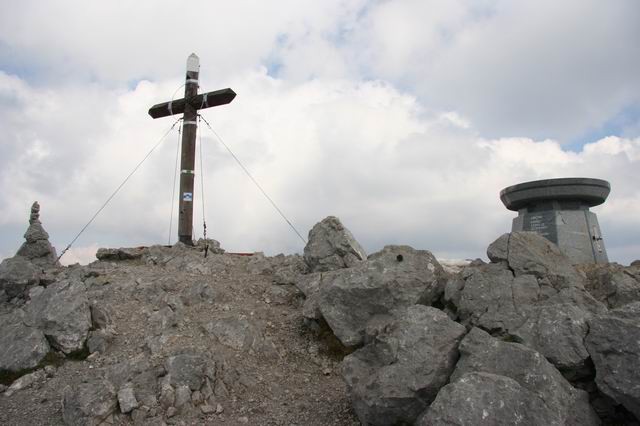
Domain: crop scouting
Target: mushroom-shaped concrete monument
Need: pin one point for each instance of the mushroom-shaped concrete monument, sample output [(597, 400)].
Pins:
[(558, 209)]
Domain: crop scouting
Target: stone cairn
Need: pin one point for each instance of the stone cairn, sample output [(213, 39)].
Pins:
[(37, 247)]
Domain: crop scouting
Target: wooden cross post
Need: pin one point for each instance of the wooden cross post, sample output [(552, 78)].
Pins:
[(189, 106)]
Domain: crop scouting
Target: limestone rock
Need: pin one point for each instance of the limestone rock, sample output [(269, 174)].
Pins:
[(62, 312), (186, 369), (102, 316), (162, 320), (288, 269), (309, 284), (614, 344), (127, 371), (127, 399), (531, 253), (241, 334), (25, 381), (207, 409), (613, 284), (490, 297), (531, 294), (395, 277), (21, 346), (332, 246), (167, 396), (198, 293), (483, 398), (498, 251), (17, 275), (212, 246), (558, 332), (183, 396), (88, 403), (395, 377), (99, 340), (479, 352), (116, 254)]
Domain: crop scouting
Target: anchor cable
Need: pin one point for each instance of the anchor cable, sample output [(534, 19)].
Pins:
[(173, 189), (204, 221), (253, 180), (118, 189)]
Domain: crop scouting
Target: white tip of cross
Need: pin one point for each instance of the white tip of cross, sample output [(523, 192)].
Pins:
[(193, 63)]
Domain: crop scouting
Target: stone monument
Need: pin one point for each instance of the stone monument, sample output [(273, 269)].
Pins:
[(558, 209), (37, 247)]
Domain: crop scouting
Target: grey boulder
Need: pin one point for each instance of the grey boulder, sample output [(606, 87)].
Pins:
[(116, 254), (614, 344), (393, 278), (21, 346), (613, 284), (531, 253), (127, 399), (89, 403), (186, 370), (558, 332), (486, 399), (532, 294), (62, 312), (17, 275), (395, 377), (241, 334), (332, 246), (479, 352)]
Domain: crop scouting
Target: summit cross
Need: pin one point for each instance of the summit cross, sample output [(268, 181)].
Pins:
[(189, 106)]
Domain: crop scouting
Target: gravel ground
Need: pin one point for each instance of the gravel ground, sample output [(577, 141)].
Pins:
[(275, 371)]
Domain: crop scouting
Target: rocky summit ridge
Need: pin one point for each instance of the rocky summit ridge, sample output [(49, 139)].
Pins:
[(168, 335)]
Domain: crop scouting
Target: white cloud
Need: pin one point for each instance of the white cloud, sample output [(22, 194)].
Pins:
[(362, 151), (404, 118), (540, 69)]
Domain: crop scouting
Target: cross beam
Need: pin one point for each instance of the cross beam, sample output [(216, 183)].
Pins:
[(189, 106), (201, 101)]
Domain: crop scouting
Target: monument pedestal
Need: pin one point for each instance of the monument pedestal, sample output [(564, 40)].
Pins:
[(558, 209)]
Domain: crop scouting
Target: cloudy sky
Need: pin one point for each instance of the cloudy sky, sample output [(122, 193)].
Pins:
[(404, 118)]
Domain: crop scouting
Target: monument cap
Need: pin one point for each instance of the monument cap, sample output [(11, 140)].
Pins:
[(591, 192)]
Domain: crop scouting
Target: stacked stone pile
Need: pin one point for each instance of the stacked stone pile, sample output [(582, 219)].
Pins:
[(37, 247), (27, 267)]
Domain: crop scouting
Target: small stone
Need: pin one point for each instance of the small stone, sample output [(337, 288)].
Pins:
[(326, 371), (167, 396), (25, 382), (171, 411), (207, 409), (35, 291), (196, 398), (219, 409), (127, 399), (183, 396), (139, 414), (50, 370), (243, 419), (90, 402)]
